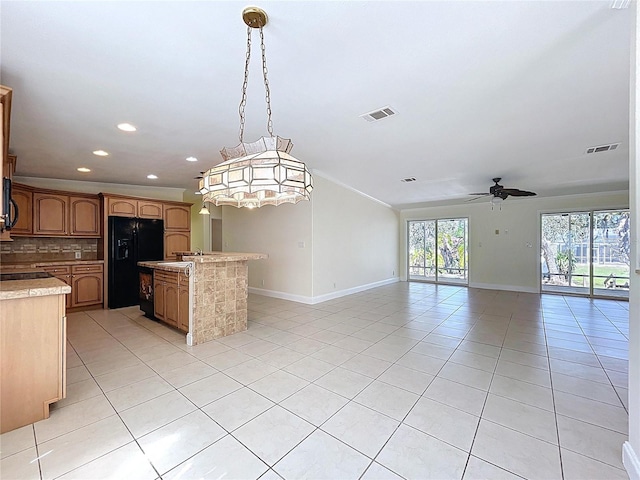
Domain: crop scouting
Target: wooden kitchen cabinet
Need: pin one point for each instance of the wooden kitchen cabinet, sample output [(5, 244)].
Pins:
[(61, 272), (86, 282), (51, 214), (86, 285), (134, 208), (176, 242), (177, 217), (171, 298), (84, 213), (32, 358), (24, 199), (183, 304), (147, 209)]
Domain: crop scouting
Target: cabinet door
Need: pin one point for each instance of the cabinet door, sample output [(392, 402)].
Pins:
[(61, 272), (176, 242), (171, 303), (177, 217), (51, 214), (148, 209), (122, 207), (158, 299), (24, 200), (183, 308), (84, 215), (86, 289)]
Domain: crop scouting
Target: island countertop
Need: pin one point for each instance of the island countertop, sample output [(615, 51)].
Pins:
[(32, 288), (213, 257)]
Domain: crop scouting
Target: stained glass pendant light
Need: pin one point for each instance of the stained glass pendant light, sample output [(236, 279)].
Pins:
[(263, 172)]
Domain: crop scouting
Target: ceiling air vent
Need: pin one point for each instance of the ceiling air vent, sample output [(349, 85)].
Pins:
[(603, 148), (378, 114), (408, 179)]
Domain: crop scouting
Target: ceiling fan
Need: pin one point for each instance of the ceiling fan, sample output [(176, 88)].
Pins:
[(499, 193)]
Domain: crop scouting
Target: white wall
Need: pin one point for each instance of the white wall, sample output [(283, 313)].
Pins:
[(160, 193), (355, 239), (339, 237), (631, 450), (277, 232), (504, 260)]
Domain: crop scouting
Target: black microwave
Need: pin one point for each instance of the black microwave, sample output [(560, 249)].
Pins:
[(9, 206)]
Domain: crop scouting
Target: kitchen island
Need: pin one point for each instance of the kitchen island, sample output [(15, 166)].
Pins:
[(216, 303), (33, 347)]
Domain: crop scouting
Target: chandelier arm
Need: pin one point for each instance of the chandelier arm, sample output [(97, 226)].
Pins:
[(266, 84), (243, 100)]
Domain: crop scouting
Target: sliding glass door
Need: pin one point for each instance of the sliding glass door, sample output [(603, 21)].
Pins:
[(438, 250), (585, 253)]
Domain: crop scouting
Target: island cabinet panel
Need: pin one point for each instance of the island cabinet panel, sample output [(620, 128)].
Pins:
[(24, 200), (51, 214), (177, 217), (171, 303), (122, 207), (158, 297), (85, 216), (147, 209), (32, 358), (183, 307), (176, 242)]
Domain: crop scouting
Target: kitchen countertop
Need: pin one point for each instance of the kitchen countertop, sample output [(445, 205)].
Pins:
[(165, 265), (32, 288), (16, 265)]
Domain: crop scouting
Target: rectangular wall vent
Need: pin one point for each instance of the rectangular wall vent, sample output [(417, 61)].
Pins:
[(408, 179), (603, 148), (378, 114)]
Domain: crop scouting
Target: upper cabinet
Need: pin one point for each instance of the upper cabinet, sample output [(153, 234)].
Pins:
[(51, 214), (133, 207), (84, 215), (56, 214), (24, 200), (177, 217)]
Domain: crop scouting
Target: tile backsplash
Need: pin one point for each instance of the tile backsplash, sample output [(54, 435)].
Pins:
[(32, 249)]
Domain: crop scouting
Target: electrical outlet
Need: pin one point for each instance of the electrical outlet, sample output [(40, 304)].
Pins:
[(78, 254)]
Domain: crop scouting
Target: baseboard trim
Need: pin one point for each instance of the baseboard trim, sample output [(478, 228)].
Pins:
[(630, 461), (507, 288), (321, 298)]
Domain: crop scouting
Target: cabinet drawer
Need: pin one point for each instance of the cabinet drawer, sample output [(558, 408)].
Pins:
[(57, 270), (164, 276), (87, 268)]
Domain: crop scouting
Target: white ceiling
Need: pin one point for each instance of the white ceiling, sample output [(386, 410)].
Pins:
[(512, 89)]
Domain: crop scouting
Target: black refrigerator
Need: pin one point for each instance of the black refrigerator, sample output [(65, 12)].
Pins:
[(131, 240)]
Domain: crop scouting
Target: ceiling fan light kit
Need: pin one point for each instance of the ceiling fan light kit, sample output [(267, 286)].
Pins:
[(263, 172)]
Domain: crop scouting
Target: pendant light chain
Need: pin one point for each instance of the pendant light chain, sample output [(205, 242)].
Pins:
[(266, 85), (243, 101)]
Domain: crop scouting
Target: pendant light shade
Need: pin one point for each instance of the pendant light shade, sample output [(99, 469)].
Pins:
[(263, 172), (257, 174)]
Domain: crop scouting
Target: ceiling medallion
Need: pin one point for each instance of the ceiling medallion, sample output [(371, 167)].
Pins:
[(262, 172)]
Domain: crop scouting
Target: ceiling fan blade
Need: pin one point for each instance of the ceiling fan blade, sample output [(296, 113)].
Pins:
[(480, 195), (515, 192), (484, 194)]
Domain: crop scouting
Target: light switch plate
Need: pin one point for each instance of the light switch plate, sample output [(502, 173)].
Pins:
[(78, 254)]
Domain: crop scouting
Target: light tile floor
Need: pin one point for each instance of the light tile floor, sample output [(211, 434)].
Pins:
[(404, 381)]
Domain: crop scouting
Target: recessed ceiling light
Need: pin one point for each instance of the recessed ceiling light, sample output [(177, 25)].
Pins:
[(192, 159), (84, 169), (126, 127), (101, 153), (151, 176)]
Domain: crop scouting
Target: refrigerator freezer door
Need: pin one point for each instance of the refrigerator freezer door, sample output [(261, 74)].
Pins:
[(123, 269), (150, 236)]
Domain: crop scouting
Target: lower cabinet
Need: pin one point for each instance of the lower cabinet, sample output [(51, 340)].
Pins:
[(171, 298), (86, 282)]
